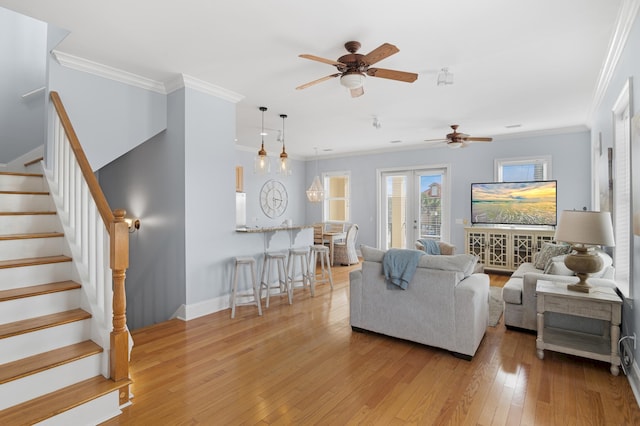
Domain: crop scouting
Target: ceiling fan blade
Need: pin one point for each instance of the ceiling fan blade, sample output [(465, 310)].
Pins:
[(358, 91), (473, 139), (320, 80), (407, 77), (319, 59), (435, 140), (379, 53)]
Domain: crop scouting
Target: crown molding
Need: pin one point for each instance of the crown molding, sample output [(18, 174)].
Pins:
[(187, 81), (624, 22), (105, 71)]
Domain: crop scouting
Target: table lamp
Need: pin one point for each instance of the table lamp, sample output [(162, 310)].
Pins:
[(584, 230)]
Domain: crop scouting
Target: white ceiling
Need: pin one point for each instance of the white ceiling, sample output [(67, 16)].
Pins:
[(533, 63)]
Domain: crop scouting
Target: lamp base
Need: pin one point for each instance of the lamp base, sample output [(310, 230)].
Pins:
[(582, 286), (583, 262)]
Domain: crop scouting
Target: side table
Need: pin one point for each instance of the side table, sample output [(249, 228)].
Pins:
[(602, 303)]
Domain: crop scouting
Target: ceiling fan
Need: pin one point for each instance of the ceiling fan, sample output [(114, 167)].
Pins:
[(459, 140), (354, 66)]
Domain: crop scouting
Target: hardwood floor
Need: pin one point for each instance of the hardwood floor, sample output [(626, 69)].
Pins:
[(302, 364)]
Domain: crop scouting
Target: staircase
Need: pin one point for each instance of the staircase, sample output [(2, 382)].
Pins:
[(51, 371)]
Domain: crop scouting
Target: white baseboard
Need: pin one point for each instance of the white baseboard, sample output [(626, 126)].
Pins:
[(17, 165), (634, 381), (200, 309)]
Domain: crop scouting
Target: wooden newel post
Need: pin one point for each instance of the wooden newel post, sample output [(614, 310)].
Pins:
[(119, 231)]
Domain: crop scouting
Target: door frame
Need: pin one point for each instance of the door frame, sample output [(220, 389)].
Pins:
[(445, 230)]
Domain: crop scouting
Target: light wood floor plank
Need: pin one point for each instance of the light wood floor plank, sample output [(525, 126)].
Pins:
[(302, 364)]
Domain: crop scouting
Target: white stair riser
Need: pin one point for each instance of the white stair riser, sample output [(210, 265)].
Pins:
[(93, 412), (25, 203), (22, 183), (36, 306), (31, 247), (28, 344), (35, 385), (26, 276), (27, 224)]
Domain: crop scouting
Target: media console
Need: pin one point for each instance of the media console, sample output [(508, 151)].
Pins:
[(505, 248)]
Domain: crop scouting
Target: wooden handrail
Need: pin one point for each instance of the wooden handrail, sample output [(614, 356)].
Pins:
[(118, 232), (87, 172)]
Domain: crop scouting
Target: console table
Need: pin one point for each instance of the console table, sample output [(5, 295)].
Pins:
[(505, 248), (602, 303)]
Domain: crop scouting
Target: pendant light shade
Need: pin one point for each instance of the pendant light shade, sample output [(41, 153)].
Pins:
[(284, 167), (262, 165), (315, 193)]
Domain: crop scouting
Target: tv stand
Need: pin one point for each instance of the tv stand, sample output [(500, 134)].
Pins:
[(505, 248)]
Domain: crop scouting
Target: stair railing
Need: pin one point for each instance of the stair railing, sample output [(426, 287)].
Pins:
[(99, 239)]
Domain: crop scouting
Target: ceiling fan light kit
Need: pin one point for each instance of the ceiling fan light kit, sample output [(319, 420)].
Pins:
[(354, 67), (262, 165)]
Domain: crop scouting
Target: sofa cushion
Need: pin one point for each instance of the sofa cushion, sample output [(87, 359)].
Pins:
[(523, 269), (548, 251), (556, 266), (607, 262), (371, 254), (464, 263)]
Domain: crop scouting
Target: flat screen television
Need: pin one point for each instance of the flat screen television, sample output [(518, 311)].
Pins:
[(514, 203)]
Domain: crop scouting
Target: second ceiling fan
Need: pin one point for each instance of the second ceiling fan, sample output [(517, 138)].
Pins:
[(456, 139), (353, 67)]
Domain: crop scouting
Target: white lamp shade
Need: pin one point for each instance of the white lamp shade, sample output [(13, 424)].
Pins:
[(352, 81), (585, 227)]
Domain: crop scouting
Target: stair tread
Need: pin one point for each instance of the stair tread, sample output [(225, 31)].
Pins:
[(34, 364), (21, 174), (15, 263), (24, 192), (28, 236), (47, 406), (42, 322), (27, 213), (36, 290)]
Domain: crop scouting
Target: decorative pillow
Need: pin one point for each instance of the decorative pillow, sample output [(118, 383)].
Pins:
[(371, 254), (548, 251)]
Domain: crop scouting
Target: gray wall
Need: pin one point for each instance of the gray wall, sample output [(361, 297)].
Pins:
[(23, 47), (628, 66), (472, 164), (149, 183)]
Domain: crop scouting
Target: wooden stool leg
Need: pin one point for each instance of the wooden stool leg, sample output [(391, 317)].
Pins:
[(256, 294), (234, 289)]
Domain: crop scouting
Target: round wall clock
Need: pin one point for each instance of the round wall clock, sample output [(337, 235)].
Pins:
[(273, 198)]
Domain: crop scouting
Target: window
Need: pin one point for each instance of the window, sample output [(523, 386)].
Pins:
[(522, 169), (336, 203), (622, 189)]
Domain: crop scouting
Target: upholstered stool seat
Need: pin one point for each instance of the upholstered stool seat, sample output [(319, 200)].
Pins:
[(274, 260), (239, 262), (320, 253)]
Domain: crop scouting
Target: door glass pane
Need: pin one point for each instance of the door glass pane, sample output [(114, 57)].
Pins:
[(396, 208), (430, 216)]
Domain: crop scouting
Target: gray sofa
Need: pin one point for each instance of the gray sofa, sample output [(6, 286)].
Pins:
[(445, 304), (519, 293)]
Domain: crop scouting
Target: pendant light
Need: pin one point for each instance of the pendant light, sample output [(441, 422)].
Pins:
[(315, 193), (262, 164), (284, 168)]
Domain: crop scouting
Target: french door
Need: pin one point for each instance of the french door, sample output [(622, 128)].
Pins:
[(413, 204)]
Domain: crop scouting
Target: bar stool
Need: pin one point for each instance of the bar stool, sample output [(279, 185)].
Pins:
[(277, 260), (251, 263), (320, 252), (300, 254)]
